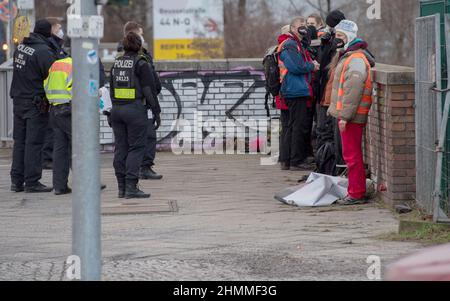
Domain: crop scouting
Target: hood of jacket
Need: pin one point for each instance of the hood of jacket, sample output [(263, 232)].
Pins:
[(283, 38), (35, 39), (360, 44)]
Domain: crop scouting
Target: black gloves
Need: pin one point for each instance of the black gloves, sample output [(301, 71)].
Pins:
[(108, 117), (157, 121)]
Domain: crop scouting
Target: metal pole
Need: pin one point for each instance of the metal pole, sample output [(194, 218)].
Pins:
[(10, 37), (86, 152)]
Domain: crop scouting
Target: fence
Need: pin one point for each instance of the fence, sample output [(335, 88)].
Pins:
[(431, 172), (6, 116)]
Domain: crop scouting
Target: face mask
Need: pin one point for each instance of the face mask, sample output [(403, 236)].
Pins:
[(339, 43), (142, 40), (60, 34), (303, 31)]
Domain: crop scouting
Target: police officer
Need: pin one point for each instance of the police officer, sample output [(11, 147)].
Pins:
[(132, 96), (154, 122), (57, 40), (58, 88), (32, 60)]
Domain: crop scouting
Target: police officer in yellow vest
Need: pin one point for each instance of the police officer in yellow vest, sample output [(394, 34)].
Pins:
[(132, 96), (58, 88)]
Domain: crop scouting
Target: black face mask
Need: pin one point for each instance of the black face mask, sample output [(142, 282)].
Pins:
[(303, 31), (339, 43)]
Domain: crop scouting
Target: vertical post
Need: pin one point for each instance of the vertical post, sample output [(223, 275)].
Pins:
[(86, 240), (10, 31)]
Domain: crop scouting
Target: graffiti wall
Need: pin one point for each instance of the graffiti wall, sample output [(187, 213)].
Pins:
[(220, 91)]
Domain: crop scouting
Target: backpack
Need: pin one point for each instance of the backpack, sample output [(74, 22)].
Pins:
[(272, 74)]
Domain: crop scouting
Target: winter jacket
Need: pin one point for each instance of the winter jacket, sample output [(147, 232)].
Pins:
[(32, 61), (297, 81), (351, 96)]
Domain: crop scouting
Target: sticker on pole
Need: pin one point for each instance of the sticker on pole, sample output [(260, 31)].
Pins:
[(93, 88), (92, 57)]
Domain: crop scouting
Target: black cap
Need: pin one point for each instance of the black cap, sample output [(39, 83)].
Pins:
[(334, 18), (43, 27)]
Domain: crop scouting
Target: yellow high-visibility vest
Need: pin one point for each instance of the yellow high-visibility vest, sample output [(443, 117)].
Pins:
[(58, 85)]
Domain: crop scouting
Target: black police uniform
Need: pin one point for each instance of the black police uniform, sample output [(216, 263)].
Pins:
[(150, 153), (132, 96), (32, 60), (47, 151)]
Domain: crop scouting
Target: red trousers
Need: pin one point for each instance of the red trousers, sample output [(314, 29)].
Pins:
[(353, 156)]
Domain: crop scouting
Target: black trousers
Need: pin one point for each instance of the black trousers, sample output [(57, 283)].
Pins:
[(47, 150), (298, 135), (150, 147), (29, 133), (61, 120), (130, 126), (284, 147)]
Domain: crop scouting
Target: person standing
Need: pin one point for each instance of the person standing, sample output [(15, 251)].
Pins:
[(154, 122), (327, 147), (32, 60), (57, 40), (58, 88), (351, 101), (132, 96), (296, 67)]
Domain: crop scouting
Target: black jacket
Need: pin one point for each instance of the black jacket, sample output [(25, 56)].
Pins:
[(144, 78), (326, 53), (32, 61), (62, 54), (156, 81)]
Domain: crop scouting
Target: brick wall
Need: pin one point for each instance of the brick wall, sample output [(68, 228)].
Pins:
[(390, 134)]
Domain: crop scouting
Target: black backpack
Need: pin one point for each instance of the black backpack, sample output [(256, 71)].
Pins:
[(272, 73)]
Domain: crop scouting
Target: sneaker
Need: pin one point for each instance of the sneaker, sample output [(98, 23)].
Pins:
[(38, 188), (349, 201)]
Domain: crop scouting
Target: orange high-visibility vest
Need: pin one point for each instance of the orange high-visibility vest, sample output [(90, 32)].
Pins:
[(366, 101)]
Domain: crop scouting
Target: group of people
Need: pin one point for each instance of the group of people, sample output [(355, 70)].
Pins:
[(325, 98), (42, 94)]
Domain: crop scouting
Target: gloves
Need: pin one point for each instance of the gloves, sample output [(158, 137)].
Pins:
[(157, 121), (108, 117)]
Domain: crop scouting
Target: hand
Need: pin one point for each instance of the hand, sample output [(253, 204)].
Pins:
[(157, 122), (342, 125), (316, 66)]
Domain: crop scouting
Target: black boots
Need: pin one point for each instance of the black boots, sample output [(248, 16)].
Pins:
[(64, 191), (133, 192), (17, 188), (38, 188), (147, 173)]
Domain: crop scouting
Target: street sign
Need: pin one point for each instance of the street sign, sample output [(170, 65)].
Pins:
[(188, 29), (85, 26), (5, 11), (25, 4)]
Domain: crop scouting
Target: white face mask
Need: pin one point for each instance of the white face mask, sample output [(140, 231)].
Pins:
[(142, 40), (60, 34)]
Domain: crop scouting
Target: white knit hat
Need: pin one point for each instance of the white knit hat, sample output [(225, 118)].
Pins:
[(349, 28)]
